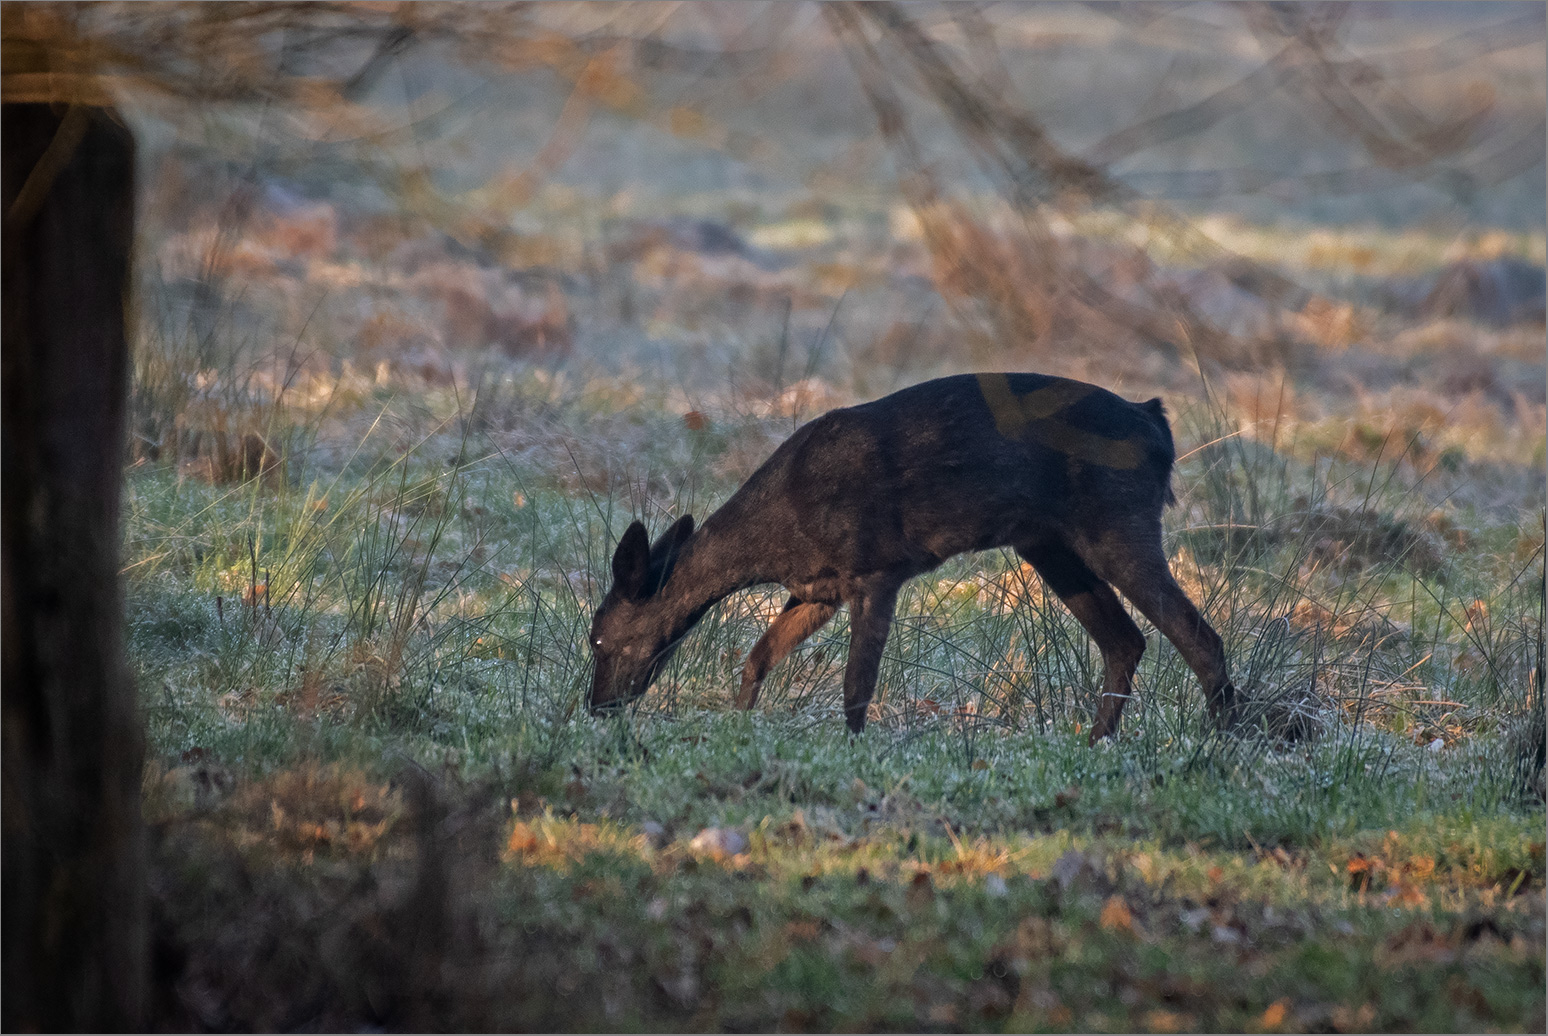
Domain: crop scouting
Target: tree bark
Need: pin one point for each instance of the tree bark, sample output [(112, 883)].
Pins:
[(73, 881)]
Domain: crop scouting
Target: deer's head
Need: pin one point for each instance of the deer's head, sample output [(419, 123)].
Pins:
[(632, 636)]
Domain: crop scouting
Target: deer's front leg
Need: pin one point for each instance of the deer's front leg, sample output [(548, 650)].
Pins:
[(870, 620), (799, 620)]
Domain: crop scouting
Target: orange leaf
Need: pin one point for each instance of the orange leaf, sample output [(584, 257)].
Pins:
[(523, 839), (1116, 916), (1274, 1016)]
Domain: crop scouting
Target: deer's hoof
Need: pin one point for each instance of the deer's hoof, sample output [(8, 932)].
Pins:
[(1226, 708)]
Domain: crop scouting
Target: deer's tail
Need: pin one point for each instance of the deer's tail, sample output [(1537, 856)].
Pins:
[(1163, 452)]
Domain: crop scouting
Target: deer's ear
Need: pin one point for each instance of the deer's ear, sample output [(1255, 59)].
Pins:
[(631, 562), (663, 553), (673, 539)]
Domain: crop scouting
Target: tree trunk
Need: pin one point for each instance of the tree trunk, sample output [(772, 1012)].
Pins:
[(74, 862)]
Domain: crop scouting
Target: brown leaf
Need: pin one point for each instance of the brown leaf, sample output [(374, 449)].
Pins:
[(1273, 1016), (523, 839), (921, 890), (1116, 916), (805, 930), (1161, 1020)]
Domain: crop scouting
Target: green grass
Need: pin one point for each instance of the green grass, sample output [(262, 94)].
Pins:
[(375, 800), (374, 791)]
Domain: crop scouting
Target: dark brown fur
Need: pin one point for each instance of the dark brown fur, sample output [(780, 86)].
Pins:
[(864, 498)]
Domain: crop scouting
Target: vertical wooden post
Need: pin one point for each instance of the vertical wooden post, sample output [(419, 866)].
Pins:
[(74, 909)]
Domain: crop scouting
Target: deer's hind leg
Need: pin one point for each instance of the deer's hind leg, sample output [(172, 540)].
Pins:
[(799, 620), (1093, 602), (1137, 566)]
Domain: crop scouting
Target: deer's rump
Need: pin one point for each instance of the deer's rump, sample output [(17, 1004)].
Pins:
[(968, 463)]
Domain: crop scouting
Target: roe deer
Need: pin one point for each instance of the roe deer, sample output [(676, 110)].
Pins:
[(863, 498)]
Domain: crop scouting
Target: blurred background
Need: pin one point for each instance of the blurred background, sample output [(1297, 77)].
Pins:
[(1330, 216)]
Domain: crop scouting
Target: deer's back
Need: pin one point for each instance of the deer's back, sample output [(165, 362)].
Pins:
[(957, 464)]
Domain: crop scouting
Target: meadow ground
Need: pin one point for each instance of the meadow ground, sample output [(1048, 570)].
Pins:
[(460, 344), (375, 798)]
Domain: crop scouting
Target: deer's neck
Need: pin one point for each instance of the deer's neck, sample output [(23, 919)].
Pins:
[(727, 554)]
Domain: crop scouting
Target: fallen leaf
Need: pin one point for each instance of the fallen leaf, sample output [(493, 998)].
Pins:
[(1116, 916), (1274, 1015), (1166, 1021), (1361, 869), (921, 891), (523, 839), (803, 931)]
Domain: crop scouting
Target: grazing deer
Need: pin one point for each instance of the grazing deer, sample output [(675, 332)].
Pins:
[(864, 498)]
